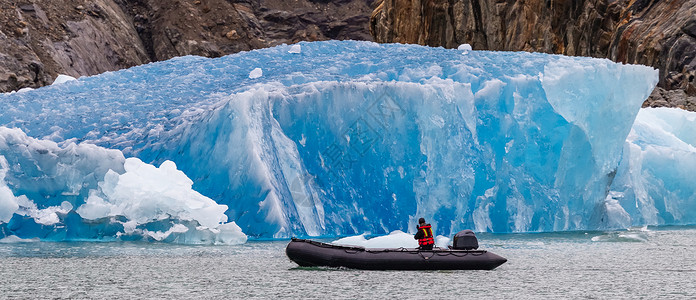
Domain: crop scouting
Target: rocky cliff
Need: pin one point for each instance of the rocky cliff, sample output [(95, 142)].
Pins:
[(40, 39), (661, 34)]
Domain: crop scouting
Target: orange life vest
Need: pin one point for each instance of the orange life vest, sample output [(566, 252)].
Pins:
[(427, 237)]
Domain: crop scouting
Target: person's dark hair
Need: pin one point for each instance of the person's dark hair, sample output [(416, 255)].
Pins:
[(421, 220)]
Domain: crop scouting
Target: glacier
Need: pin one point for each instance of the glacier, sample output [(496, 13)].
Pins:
[(336, 138), (654, 183)]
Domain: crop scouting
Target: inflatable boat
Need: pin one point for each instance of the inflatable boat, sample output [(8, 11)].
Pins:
[(463, 256)]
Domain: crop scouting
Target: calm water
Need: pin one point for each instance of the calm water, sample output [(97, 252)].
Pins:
[(658, 263)]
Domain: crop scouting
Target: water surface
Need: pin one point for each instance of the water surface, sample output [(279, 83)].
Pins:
[(657, 263)]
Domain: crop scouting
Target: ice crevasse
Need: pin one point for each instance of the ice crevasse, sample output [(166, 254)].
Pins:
[(328, 139)]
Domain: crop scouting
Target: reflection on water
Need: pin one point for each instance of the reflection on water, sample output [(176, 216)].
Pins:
[(636, 263)]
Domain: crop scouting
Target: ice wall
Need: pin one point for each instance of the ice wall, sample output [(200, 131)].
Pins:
[(654, 184), (335, 138)]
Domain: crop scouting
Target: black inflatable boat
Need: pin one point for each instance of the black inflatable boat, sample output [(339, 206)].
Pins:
[(463, 256)]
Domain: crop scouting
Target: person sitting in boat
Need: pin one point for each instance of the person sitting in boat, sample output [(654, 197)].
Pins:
[(424, 235)]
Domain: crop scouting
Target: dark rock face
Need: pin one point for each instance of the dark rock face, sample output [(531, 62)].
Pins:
[(41, 39), (661, 34)]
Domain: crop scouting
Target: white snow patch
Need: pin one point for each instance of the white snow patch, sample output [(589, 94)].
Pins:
[(256, 73), (464, 47), (63, 79), (295, 49)]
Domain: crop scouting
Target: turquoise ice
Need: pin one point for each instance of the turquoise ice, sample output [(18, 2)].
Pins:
[(654, 184), (341, 138)]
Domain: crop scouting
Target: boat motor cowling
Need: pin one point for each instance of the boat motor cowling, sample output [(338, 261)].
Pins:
[(465, 240)]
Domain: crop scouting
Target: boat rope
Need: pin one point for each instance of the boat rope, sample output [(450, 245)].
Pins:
[(423, 256), (325, 245), (462, 253), (388, 250), (352, 251)]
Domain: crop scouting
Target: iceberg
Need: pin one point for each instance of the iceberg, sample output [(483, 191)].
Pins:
[(84, 191), (654, 184), (395, 239), (332, 139), (63, 79)]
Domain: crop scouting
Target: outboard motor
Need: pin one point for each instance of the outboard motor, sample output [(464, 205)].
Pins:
[(465, 240)]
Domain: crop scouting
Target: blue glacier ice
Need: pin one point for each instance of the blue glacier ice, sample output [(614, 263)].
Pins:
[(85, 191), (654, 183), (336, 138)]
